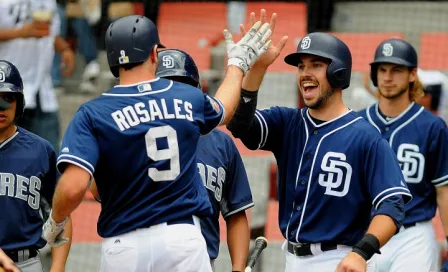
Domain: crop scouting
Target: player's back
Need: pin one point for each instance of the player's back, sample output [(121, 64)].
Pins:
[(146, 170)]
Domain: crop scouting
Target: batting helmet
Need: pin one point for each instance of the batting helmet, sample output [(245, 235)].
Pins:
[(11, 82), (395, 51), (174, 62), (329, 47), (130, 40)]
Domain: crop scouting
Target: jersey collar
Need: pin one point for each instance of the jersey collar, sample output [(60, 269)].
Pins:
[(392, 120), (2, 144), (307, 113)]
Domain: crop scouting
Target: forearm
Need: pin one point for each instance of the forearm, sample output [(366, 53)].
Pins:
[(229, 91), (238, 238), (253, 79), (60, 44), (66, 200), (70, 191), (60, 254), (442, 204), (9, 34), (383, 228)]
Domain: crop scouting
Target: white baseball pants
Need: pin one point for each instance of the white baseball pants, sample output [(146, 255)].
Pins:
[(160, 248)]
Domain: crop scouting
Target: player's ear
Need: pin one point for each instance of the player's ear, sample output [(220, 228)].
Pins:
[(412, 74), (154, 54)]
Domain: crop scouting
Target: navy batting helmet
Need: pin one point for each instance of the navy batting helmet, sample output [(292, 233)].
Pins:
[(395, 51), (329, 47), (11, 82), (175, 62), (130, 40)]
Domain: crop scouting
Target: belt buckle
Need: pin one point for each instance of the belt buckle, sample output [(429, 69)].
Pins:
[(297, 248)]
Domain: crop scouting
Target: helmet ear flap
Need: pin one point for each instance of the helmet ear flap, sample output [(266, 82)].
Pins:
[(338, 77), (374, 75), (20, 108)]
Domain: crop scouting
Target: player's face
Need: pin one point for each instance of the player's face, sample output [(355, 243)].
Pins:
[(393, 80), (312, 80), (7, 116)]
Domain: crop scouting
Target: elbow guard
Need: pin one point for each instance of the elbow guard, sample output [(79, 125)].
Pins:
[(244, 115)]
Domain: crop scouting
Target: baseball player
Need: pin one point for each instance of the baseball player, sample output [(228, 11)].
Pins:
[(333, 166), (28, 177), (420, 142), (139, 141), (221, 169)]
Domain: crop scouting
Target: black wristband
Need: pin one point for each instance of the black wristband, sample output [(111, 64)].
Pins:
[(446, 239), (367, 246)]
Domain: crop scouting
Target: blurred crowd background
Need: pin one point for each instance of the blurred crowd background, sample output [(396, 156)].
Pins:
[(64, 65)]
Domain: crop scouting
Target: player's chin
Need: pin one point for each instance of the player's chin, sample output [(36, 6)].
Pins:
[(5, 123)]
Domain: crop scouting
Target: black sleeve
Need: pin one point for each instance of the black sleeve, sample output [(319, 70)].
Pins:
[(244, 124)]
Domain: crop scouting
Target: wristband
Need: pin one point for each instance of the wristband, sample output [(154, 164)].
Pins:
[(367, 246), (447, 239)]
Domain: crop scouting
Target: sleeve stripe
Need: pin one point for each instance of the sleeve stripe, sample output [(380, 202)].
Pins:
[(262, 131), (77, 164), (86, 163), (405, 190), (392, 194), (265, 126), (223, 111), (439, 180), (250, 205)]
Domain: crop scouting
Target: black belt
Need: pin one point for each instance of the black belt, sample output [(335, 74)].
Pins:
[(18, 256), (304, 249), (410, 225), (183, 220)]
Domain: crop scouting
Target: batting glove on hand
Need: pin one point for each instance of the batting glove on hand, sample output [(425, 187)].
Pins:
[(53, 232), (246, 52)]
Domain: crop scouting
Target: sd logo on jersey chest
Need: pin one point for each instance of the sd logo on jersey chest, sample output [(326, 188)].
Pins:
[(335, 181)]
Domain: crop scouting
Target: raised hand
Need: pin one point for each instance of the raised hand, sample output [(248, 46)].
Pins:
[(248, 50), (273, 51)]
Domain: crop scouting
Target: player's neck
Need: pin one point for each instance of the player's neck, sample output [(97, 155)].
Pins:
[(394, 107), (7, 133), (136, 75), (332, 108)]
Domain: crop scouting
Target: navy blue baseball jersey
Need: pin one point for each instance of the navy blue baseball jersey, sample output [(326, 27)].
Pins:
[(330, 174), (420, 141), (27, 174), (223, 173), (139, 143)]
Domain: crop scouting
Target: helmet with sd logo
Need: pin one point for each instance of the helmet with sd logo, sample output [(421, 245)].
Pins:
[(394, 51), (177, 63), (329, 47), (11, 82)]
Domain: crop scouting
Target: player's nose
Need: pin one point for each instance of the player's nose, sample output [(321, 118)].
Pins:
[(3, 104)]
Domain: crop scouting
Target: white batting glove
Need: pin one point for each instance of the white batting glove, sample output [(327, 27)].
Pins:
[(246, 52), (53, 232)]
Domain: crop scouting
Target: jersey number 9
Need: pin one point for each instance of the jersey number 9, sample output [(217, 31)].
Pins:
[(171, 153)]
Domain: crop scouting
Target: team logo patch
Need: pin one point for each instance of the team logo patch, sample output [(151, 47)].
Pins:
[(412, 162), (388, 50), (2, 76), (306, 42), (168, 62), (338, 174), (123, 59)]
